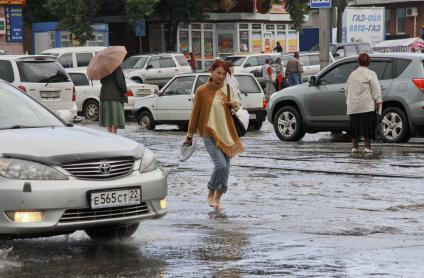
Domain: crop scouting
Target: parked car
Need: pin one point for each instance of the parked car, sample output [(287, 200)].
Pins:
[(347, 49), (155, 69), (88, 92), (173, 103), (57, 178), (320, 105), (251, 63), (42, 78), (74, 57)]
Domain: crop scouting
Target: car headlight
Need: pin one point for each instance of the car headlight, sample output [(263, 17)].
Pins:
[(149, 162), (27, 170)]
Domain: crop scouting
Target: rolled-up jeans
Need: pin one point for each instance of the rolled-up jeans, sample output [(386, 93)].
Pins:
[(221, 171), (293, 79)]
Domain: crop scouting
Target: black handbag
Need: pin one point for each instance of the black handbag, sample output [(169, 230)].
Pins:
[(241, 130)]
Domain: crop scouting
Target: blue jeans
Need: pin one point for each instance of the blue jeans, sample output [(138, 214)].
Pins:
[(293, 79), (221, 171)]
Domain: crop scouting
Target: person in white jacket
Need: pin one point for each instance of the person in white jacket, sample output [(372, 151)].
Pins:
[(363, 99)]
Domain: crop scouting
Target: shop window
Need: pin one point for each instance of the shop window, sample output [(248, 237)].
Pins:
[(184, 43), (270, 26), (196, 41), (99, 40), (65, 39), (208, 45), (256, 42), (244, 41), (196, 26), (281, 37), (400, 20), (257, 26), (225, 26), (52, 36), (208, 26), (225, 43), (243, 26), (281, 27), (183, 26), (387, 19)]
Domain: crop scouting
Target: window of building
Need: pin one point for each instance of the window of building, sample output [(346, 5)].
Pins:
[(270, 26), (257, 26), (243, 26), (196, 26), (208, 26), (400, 20), (244, 41), (98, 40), (65, 39), (387, 19)]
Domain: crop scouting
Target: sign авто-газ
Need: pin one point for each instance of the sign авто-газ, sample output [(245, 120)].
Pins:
[(364, 24)]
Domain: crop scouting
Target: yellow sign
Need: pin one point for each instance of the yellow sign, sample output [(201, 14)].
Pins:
[(12, 2)]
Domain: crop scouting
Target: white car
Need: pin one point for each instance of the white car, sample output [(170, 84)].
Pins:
[(74, 57), (155, 69), (42, 78), (173, 103), (88, 92), (57, 178)]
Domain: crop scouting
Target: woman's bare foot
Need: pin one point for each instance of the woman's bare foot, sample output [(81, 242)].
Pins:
[(211, 199), (218, 196)]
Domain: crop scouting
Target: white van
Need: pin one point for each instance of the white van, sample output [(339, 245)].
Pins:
[(42, 78), (74, 57)]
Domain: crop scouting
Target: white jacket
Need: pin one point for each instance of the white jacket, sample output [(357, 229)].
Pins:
[(362, 91)]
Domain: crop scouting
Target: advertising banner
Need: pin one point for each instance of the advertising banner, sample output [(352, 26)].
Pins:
[(14, 24), (364, 25)]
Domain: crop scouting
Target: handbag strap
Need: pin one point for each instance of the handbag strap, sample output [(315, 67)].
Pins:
[(228, 93)]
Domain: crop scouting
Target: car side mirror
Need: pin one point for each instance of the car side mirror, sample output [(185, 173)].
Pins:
[(313, 80), (149, 67), (336, 54), (247, 65)]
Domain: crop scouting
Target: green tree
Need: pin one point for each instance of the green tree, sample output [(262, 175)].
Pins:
[(297, 10), (77, 16), (137, 9), (174, 12)]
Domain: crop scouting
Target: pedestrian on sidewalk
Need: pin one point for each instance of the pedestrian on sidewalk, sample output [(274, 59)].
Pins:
[(211, 118), (363, 99), (267, 75), (294, 71), (113, 95), (193, 62), (278, 47)]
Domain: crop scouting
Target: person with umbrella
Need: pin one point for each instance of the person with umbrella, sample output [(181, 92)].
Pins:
[(105, 66)]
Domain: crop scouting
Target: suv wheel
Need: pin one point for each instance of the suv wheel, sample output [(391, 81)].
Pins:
[(91, 110), (145, 120), (122, 231), (394, 125), (288, 124)]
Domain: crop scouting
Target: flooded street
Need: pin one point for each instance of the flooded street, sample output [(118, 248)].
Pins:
[(307, 209)]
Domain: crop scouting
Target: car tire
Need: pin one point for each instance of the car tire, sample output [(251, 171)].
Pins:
[(122, 231), (91, 110), (145, 120), (394, 125), (288, 124)]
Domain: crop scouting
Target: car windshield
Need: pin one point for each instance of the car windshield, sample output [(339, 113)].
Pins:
[(247, 84), (134, 62), (42, 72), (17, 110), (236, 60)]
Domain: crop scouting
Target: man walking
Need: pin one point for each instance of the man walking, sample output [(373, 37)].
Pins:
[(294, 71)]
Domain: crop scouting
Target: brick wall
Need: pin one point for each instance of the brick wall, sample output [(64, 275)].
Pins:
[(15, 48)]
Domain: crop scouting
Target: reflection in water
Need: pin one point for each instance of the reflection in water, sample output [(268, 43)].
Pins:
[(224, 242), (77, 258)]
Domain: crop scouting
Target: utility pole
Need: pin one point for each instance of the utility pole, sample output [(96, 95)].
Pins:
[(324, 37)]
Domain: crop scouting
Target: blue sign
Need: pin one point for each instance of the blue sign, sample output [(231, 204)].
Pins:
[(140, 28), (316, 4), (14, 24)]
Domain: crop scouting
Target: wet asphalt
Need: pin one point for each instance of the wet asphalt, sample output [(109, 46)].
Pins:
[(306, 209)]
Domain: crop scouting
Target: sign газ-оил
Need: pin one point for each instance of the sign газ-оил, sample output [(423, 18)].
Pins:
[(363, 24)]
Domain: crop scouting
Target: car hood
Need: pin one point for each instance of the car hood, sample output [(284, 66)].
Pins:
[(65, 144), (298, 89)]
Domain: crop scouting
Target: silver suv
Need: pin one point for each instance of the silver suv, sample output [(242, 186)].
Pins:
[(155, 69), (320, 105)]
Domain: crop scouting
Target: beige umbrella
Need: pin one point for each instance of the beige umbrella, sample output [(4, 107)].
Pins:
[(105, 62)]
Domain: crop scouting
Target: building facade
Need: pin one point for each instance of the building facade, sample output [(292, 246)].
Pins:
[(12, 26), (403, 18)]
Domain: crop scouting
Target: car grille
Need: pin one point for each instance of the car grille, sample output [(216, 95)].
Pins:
[(83, 215), (100, 169)]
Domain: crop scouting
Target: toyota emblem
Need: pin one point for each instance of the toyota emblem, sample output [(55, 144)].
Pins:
[(105, 168)]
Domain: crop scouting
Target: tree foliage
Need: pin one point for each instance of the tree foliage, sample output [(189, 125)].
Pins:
[(77, 16), (137, 9), (297, 10)]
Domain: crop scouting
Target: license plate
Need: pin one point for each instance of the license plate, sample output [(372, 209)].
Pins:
[(50, 94), (115, 198), (252, 116)]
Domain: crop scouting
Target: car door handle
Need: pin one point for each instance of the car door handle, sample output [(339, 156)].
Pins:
[(189, 99)]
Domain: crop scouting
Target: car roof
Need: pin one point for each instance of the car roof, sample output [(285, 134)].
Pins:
[(405, 55), (24, 57), (254, 54), (208, 73), (60, 50)]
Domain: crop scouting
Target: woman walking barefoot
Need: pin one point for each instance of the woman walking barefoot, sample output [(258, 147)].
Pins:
[(211, 118)]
